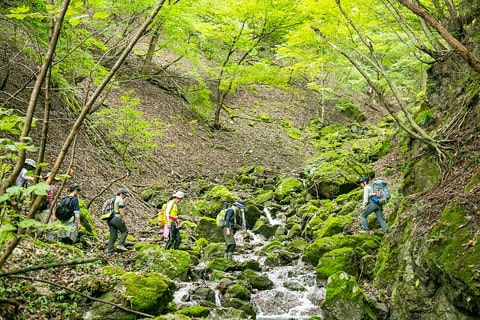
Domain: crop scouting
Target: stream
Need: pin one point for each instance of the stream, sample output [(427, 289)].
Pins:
[(295, 294)]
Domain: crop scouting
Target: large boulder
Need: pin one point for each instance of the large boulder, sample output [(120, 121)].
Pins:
[(172, 263), (344, 299), (148, 293)]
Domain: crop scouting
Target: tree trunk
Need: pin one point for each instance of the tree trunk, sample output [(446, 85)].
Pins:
[(76, 126), (147, 63)]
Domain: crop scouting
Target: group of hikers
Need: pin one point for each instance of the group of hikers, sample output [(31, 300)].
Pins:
[(117, 222)]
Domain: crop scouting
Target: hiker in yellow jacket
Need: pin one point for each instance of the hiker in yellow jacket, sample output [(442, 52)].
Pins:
[(173, 223)]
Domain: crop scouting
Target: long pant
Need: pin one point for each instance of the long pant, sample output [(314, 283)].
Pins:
[(174, 237), (116, 224), (373, 207)]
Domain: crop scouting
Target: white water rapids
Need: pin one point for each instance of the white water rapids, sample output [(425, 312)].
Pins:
[(295, 295)]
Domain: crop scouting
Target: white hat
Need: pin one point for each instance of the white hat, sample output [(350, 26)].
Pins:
[(179, 195)]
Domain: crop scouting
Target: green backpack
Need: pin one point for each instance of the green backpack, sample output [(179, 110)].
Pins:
[(221, 218)]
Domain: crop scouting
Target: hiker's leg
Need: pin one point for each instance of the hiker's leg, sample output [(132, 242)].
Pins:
[(170, 236), (178, 239), (124, 232), (113, 235), (380, 219), (371, 207)]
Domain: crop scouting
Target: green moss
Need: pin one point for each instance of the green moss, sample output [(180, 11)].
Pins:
[(350, 110), (286, 187), (344, 285), (264, 197), (172, 263), (448, 247), (342, 259), (147, 292), (195, 312), (221, 193)]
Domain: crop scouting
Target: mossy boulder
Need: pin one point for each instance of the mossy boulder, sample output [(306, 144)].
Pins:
[(333, 225), (313, 252), (344, 299), (194, 312), (214, 250), (237, 291), (207, 228), (172, 263), (240, 304), (256, 281), (263, 227), (343, 259), (264, 197), (286, 187), (221, 193), (221, 264), (148, 293)]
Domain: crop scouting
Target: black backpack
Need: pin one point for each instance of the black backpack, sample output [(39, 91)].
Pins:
[(44, 205), (64, 211)]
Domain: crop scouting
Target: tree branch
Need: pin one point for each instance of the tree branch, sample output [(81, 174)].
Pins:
[(47, 266)]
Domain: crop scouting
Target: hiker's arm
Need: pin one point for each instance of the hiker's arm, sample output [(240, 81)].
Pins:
[(122, 214), (77, 217)]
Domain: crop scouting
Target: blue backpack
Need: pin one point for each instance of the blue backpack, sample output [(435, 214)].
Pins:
[(382, 192)]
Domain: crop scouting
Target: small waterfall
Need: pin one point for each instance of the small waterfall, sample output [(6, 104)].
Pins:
[(244, 221), (218, 302), (271, 220)]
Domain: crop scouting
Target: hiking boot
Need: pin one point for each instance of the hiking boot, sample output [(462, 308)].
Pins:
[(122, 248)]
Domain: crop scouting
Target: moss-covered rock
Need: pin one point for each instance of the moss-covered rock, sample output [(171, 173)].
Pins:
[(333, 225), (207, 228), (345, 299), (237, 291), (317, 249), (239, 304), (221, 264), (194, 312), (256, 281), (264, 228), (172, 263), (148, 293), (343, 259), (286, 187)]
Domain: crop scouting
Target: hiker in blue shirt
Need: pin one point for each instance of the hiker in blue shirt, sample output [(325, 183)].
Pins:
[(369, 206), (229, 229), (70, 236)]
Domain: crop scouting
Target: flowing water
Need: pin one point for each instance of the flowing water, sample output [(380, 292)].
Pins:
[(295, 294)]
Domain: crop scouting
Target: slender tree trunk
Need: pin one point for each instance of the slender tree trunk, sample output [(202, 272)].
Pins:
[(466, 54), (147, 63), (76, 126), (34, 96)]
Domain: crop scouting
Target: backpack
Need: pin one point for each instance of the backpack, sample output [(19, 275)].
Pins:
[(382, 192), (108, 209), (44, 205), (64, 211), (220, 220), (161, 218)]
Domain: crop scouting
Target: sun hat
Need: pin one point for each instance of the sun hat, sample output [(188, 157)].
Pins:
[(122, 191), (239, 204), (179, 195), (31, 162)]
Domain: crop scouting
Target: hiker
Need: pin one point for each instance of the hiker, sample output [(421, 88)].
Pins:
[(23, 178), (369, 206), (43, 214), (118, 222), (173, 223), (70, 236), (230, 227)]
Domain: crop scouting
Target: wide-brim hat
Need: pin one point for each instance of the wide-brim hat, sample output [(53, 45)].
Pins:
[(362, 179), (239, 204), (122, 191), (178, 194)]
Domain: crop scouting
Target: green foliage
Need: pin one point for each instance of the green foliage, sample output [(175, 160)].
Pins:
[(131, 135)]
